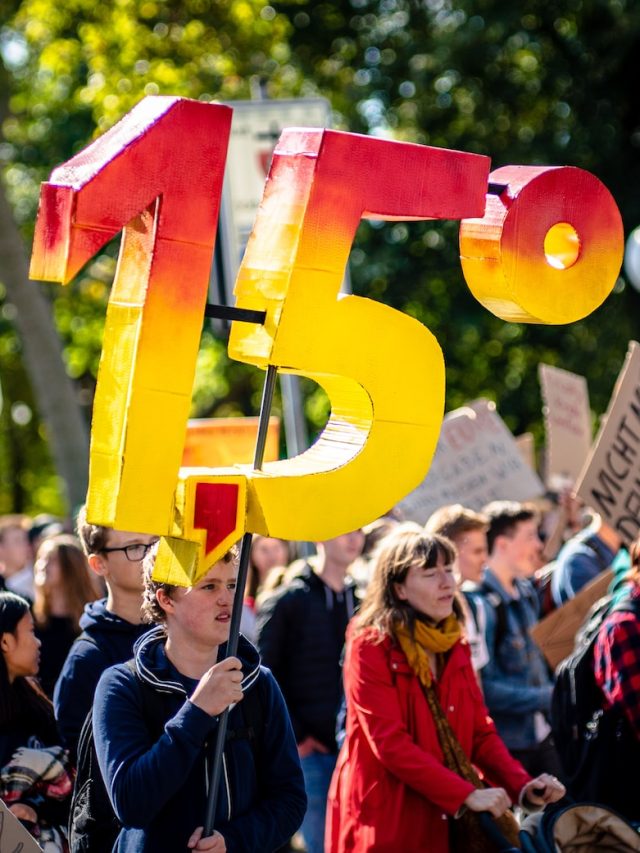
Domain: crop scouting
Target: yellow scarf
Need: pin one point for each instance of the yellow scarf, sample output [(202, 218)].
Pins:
[(435, 639)]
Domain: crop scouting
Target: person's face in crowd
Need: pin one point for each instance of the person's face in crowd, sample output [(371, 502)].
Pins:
[(343, 550), (522, 549), (14, 549), (472, 555), (116, 566), (21, 650), (267, 553), (200, 615), (429, 591), (47, 569)]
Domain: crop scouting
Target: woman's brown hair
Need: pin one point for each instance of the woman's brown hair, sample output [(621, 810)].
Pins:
[(75, 578), (396, 554)]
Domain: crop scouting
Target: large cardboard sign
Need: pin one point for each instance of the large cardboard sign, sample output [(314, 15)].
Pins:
[(555, 634), (567, 419), (477, 460), (14, 838), (610, 481), (546, 249), (527, 447)]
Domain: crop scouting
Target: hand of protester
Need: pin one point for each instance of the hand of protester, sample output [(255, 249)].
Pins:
[(542, 790), (572, 505), (219, 687), (24, 812), (310, 745), (213, 843), (493, 800)]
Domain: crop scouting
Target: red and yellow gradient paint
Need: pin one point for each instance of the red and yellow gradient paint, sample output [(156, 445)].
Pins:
[(158, 175), (384, 424), (549, 247), (383, 371)]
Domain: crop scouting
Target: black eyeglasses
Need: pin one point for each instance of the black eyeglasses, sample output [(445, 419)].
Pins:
[(134, 553)]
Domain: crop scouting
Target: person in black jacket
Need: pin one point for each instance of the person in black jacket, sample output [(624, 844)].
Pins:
[(110, 627), (156, 768), (29, 738), (301, 631)]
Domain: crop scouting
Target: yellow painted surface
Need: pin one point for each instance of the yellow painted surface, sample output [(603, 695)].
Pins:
[(548, 249)]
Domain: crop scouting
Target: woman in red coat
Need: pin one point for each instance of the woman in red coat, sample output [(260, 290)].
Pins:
[(416, 720)]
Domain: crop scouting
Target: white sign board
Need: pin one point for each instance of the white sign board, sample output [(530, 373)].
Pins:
[(14, 838), (255, 128), (610, 482), (567, 419), (477, 460)]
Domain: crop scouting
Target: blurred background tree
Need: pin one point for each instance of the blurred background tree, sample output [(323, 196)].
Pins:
[(524, 83)]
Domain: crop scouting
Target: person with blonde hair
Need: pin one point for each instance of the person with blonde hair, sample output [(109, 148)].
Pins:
[(421, 756)]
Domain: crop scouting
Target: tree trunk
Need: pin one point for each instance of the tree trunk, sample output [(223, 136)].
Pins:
[(53, 390)]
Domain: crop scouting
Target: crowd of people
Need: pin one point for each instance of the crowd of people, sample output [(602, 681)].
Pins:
[(386, 691)]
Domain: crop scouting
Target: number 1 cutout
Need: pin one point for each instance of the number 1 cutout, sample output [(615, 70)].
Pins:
[(158, 175)]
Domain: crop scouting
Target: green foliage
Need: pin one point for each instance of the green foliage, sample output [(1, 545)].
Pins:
[(73, 69), (528, 83), (525, 83)]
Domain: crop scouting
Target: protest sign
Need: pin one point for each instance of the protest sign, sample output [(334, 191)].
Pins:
[(14, 838), (477, 460), (555, 634), (217, 442), (610, 481), (527, 447), (567, 420)]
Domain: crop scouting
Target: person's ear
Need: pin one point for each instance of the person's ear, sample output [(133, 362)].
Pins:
[(400, 591), (164, 600), (7, 641), (499, 543), (97, 564)]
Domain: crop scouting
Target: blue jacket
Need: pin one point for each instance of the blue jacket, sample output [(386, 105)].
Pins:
[(579, 561), (157, 775), (516, 680), (106, 639)]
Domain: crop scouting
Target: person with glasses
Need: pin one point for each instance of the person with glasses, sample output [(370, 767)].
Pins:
[(110, 626)]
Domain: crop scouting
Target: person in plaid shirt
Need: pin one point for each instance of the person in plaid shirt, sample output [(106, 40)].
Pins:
[(615, 752), (616, 653)]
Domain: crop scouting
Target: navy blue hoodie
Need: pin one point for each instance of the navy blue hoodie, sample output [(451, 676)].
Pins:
[(106, 639), (158, 780)]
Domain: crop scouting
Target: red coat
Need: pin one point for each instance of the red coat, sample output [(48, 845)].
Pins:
[(390, 790)]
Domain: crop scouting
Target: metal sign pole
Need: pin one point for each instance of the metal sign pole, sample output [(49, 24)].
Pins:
[(236, 613)]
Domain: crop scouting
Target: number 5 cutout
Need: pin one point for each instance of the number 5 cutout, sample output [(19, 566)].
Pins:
[(157, 174), (382, 370)]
